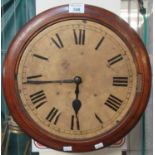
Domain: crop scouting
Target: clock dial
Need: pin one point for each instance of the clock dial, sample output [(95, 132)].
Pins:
[(77, 79), (79, 82)]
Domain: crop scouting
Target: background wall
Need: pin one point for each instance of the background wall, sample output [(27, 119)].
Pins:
[(113, 5), (14, 15), (130, 12), (137, 132)]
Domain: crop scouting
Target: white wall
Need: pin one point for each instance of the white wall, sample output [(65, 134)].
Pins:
[(112, 5)]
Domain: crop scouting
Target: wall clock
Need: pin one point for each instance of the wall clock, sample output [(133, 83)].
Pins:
[(76, 81)]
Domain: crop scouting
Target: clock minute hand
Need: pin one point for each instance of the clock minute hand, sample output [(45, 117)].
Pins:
[(49, 81), (76, 80)]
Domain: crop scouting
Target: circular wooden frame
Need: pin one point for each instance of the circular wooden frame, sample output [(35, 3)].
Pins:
[(39, 23)]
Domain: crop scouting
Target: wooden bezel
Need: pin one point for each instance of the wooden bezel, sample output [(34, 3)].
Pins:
[(39, 23)]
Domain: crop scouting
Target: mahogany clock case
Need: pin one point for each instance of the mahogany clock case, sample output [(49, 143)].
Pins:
[(41, 22)]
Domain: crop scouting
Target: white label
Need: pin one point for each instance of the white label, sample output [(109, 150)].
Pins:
[(98, 146), (76, 8), (67, 148)]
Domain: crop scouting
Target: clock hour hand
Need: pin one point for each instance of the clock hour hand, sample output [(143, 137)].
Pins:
[(76, 104), (77, 80), (77, 91)]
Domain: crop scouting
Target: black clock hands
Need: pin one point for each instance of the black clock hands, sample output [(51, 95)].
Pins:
[(76, 104), (49, 81), (76, 80)]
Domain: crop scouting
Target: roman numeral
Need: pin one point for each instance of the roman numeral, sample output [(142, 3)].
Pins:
[(115, 59), (38, 98), (98, 118), (120, 81), (99, 43), (75, 125), (79, 36), (72, 122), (40, 57), (57, 41), (113, 102), (53, 115), (34, 76)]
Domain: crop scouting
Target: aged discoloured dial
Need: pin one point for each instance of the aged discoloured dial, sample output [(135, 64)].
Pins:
[(60, 104)]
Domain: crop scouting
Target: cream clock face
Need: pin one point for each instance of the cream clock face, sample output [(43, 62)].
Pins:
[(77, 79)]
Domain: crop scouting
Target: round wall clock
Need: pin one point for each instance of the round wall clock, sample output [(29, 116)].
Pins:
[(76, 81)]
